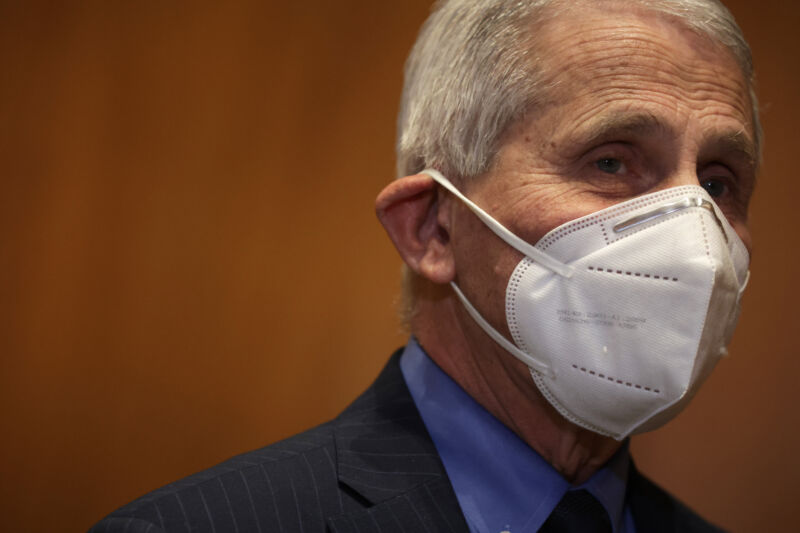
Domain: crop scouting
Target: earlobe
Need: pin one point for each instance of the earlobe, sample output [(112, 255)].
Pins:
[(409, 209)]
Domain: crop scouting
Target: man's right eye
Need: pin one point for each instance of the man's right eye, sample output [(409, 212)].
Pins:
[(609, 165)]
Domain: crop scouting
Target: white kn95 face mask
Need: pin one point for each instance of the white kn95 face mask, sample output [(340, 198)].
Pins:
[(622, 314)]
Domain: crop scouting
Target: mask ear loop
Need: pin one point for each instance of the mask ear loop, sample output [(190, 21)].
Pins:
[(524, 248), (512, 240), (500, 339), (744, 283)]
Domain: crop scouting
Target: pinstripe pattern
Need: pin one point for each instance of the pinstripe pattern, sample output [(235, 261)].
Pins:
[(374, 469), (367, 459)]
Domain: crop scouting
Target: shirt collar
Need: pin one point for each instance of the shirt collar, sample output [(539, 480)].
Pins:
[(501, 483)]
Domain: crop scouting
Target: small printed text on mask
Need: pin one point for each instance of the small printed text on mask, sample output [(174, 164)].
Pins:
[(594, 318)]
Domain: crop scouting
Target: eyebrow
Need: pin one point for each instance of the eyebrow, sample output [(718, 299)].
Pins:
[(737, 142), (609, 127), (606, 127)]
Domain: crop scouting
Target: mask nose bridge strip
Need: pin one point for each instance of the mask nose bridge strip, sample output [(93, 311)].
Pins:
[(498, 229), (664, 210)]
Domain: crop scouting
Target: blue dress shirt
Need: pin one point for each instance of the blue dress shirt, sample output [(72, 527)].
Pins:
[(501, 483)]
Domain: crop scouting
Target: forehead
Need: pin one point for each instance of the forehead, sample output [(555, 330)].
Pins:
[(606, 54)]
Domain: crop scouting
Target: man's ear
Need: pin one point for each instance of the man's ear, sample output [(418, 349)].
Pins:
[(409, 209)]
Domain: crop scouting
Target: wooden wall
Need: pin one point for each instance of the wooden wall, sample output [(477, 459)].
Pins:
[(190, 266)]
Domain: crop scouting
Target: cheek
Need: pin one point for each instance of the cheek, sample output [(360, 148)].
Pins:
[(554, 209), (474, 246), (483, 264)]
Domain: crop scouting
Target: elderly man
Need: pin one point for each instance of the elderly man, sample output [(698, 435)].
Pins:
[(573, 220)]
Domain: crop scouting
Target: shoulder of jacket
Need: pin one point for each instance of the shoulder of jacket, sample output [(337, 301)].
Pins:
[(652, 505), (244, 477)]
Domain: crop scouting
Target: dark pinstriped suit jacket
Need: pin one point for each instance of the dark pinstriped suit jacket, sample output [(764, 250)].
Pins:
[(372, 469)]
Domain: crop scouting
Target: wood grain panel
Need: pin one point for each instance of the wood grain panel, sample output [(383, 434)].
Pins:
[(190, 265)]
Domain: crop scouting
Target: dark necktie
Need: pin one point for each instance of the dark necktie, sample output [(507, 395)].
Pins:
[(578, 512)]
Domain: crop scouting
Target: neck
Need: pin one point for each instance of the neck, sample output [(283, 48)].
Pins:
[(503, 386)]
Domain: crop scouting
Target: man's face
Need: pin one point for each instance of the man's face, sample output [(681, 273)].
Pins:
[(634, 104)]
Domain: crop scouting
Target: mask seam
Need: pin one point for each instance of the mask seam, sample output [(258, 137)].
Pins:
[(689, 383), (538, 378)]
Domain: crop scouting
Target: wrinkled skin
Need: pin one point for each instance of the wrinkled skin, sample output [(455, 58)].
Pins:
[(635, 104)]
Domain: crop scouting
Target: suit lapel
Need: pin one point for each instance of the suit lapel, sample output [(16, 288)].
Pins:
[(655, 510), (385, 455), (652, 509)]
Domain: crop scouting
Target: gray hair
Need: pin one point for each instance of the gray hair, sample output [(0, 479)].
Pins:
[(470, 75)]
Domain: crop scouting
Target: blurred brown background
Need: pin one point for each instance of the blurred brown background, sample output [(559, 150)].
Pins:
[(190, 266)]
